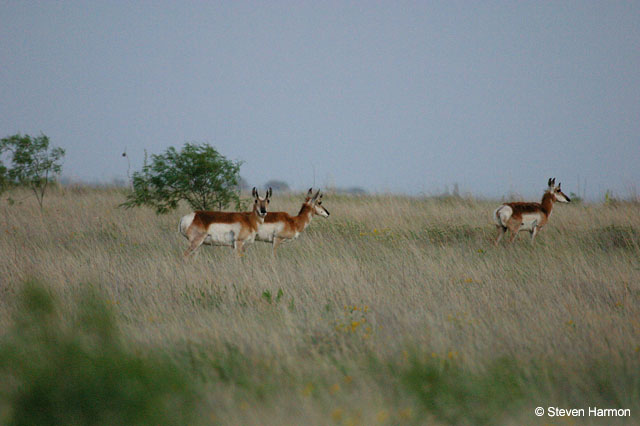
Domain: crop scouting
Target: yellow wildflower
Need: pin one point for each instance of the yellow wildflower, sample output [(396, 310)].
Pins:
[(307, 389), (406, 413), (336, 414), (382, 416)]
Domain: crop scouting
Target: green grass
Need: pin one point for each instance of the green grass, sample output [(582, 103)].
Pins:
[(613, 237), (53, 372), (395, 310)]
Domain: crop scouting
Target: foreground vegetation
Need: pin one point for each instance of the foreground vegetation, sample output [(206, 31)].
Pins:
[(395, 310)]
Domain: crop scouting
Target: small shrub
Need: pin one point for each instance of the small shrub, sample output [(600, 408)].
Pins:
[(197, 174), (33, 164)]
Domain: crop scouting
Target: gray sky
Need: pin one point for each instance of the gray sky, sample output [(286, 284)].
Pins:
[(389, 96)]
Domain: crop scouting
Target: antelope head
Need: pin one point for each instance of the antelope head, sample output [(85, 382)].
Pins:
[(315, 202), (556, 191), (260, 204)]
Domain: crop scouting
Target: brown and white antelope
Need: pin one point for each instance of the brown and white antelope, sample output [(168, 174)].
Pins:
[(280, 226), (528, 216), (233, 229)]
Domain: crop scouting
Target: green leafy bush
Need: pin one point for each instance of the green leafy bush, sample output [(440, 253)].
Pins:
[(4, 178), (33, 164), (197, 174)]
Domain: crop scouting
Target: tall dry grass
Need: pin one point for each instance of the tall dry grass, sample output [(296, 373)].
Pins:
[(343, 323)]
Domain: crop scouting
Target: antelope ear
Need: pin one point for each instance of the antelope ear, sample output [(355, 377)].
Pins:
[(316, 196), (559, 183), (549, 182), (320, 198), (309, 192)]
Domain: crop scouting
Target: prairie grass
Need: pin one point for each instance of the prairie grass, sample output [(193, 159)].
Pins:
[(394, 310)]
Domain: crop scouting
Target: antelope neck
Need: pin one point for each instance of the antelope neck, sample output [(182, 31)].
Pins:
[(304, 217), (547, 203), (254, 216)]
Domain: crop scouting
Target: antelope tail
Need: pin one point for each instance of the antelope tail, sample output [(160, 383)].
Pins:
[(502, 215), (184, 223)]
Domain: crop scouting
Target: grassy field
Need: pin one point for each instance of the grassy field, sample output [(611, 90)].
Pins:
[(394, 310)]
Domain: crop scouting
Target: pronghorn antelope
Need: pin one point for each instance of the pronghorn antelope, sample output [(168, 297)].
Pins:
[(528, 216), (233, 229), (280, 226)]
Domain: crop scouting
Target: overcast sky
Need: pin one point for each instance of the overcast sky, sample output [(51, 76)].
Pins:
[(389, 96)]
